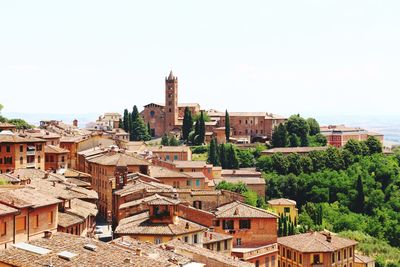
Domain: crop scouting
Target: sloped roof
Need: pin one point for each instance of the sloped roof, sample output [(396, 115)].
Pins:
[(55, 149), (151, 200), (315, 242), (161, 172), (5, 210), (238, 209), (362, 259), (139, 185), (118, 159), (140, 224), (281, 201), (26, 197), (67, 219), (9, 137)]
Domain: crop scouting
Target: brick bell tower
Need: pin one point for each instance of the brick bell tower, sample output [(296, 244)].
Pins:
[(171, 102)]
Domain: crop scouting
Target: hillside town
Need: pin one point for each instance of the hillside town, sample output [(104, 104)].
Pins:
[(111, 195)]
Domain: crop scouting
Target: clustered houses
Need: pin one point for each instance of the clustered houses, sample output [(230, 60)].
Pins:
[(168, 117)]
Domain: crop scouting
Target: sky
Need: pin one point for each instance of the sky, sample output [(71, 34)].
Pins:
[(313, 57)]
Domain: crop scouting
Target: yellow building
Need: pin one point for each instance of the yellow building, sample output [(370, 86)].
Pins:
[(363, 261), (284, 206), (161, 224)]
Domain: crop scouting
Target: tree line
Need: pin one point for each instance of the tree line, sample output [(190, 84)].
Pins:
[(133, 123)]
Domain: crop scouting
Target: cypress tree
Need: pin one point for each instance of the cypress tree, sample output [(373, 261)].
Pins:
[(202, 129), (125, 121), (227, 126), (280, 230), (187, 124), (222, 156), (138, 130), (285, 226), (233, 161), (213, 153), (359, 202), (173, 141)]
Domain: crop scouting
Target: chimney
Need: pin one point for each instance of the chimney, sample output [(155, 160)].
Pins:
[(139, 252), (329, 237), (48, 234)]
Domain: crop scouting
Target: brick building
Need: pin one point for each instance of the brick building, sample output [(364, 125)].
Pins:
[(167, 117), (55, 157), (171, 153), (316, 249), (339, 135), (36, 213), (20, 152), (254, 231)]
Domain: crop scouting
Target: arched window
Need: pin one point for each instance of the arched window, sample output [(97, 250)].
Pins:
[(38, 159), (21, 160), (152, 113)]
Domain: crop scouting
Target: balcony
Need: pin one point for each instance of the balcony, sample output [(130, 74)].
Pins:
[(31, 151)]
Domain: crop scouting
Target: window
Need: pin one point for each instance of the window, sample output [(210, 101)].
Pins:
[(197, 204), (167, 157), (175, 157), (157, 240), (38, 159), (244, 224), (338, 255), (50, 217), (188, 182), (62, 159), (345, 254), (195, 241), (287, 210), (333, 257), (197, 182), (216, 223), (20, 224), (289, 254), (294, 256), (186, 238), (21, 148), (219, 246), (257, 263), (152, 113), (227, 224), (350, 252), (316, 259), (21, 160), (8, 149), (238, 241), (3, 229), (300, 258), (273, 261), (225, 244), (267, 262), (35, 221), (39, 147)]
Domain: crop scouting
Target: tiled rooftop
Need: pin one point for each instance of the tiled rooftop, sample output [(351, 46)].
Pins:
[(104, 255), (55, 149), (161, 172), (140, 224), (25, 197), (5, 210), (315, 242), (118, 159), (238, 209), (281, 201)]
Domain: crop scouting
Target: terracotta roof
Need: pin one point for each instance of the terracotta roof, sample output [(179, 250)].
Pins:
[(197, 175), (152, 251), (187, 249), (66, 219), (140, 224), (42, 134), (73, 139), (238, 209), (104, 255), (212, 237), (31, 174), (140, 185), (82, 208), (55, 150), (156, 149), (6, 210), (362, 259), (151, 200), (161, 172), (315, 242), (62, 190), (293, 149), (77, 182), (70, 173), (190, 164), (281, 201), (9, 137), (7, 125), (118, 159), (26, 197)]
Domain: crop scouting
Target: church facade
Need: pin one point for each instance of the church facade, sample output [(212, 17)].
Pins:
[(168, 117)]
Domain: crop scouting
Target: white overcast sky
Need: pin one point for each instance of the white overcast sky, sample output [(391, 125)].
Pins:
[(323, 57)]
